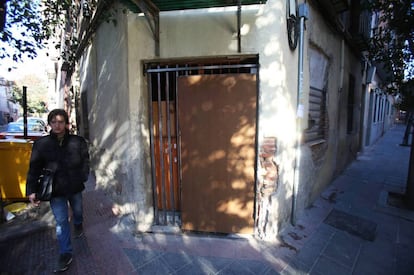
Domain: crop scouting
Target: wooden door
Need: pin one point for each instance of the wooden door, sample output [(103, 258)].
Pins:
[(217, 116)]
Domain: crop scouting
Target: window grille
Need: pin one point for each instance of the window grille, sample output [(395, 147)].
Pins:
[(317, 115)]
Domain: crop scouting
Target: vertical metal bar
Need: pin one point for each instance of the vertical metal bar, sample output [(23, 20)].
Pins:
[(161, 147), (256, 147), (24, 99), (153, 168), (178, 134), (167, 92), (239, 26)]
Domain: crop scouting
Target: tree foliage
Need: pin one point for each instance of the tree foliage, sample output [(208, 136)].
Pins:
[(36, 94), (407, 91), (393, 40), (22, 33), (393, 45), (30, 26)]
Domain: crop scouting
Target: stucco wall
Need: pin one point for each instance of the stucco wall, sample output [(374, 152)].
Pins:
[(321, 161), (111, 77), (106, 86), (349, 142), (141, 46)]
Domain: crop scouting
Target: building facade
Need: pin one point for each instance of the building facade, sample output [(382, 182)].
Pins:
[(228, 118), (9, 110)]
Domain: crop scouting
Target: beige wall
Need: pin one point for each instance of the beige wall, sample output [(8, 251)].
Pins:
[(111, 75), (322, 161)]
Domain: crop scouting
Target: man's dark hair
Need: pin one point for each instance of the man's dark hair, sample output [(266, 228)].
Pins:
[(57, 112)]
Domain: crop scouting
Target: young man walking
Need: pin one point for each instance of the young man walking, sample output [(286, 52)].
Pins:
[(69, 157)]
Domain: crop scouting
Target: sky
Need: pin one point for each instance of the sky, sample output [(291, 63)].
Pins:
[(36, 66)]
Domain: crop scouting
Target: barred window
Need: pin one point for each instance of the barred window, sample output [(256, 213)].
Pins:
[(317, 114)]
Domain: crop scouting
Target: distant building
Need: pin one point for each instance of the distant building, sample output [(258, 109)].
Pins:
[(9, 110)]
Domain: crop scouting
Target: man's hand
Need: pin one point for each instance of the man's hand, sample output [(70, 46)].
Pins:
[(32, 199)]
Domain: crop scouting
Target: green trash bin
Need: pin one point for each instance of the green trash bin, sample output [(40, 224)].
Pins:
[(14, 163)]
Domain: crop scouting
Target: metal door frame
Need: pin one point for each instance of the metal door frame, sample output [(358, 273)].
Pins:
[(162, 86)]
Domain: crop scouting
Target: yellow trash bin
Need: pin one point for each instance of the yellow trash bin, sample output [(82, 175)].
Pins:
[(14, 163)]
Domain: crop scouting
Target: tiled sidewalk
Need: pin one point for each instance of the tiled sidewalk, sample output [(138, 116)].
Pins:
[(381, 242), (361, 192)]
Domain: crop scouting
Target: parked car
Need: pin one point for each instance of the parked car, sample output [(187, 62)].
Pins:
[(16, 130), (32, 119)]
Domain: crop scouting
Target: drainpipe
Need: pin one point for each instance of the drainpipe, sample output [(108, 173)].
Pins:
[(303, 13)]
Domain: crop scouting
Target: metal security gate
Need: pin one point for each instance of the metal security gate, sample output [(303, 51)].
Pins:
[(167, 166)]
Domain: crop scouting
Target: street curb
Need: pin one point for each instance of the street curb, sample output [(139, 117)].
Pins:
[(384, 207)]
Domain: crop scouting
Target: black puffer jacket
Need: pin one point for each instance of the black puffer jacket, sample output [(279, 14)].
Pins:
[(71, 158)]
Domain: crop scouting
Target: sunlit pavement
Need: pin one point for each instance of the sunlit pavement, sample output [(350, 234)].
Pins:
[(358, 231), (350, 229)]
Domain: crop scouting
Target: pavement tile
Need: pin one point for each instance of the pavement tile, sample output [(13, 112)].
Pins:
[(326, 266), (155, 267), (139, 258), (177, 261), (387, 228), (376, 258), (256, 267), (82, 257), (406, 231), (296, 267), (37, 256), (313, 249), (215, 264), (225, 248), (277, 257), (404, 266), (242, 268), (271, 272), (193, 269), (374, 267), (344, 248)]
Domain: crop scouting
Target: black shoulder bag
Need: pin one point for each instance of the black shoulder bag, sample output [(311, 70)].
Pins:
[(45, 184)]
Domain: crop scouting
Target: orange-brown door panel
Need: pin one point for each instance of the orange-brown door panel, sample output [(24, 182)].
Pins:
[(217, 115)]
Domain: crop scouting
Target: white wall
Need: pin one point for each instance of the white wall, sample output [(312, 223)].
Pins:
[(379, 117)]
